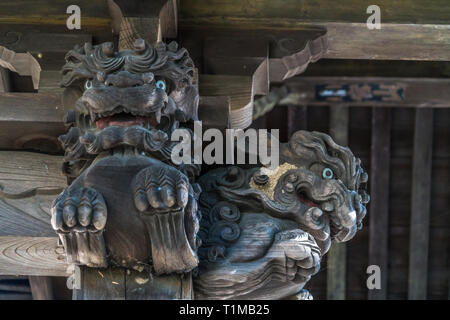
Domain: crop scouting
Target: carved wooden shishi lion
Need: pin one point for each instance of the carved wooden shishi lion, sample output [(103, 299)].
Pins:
[(251, 233)]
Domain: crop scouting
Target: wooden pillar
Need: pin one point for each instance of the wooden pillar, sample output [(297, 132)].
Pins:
[(41, 287), (149, 20), (124, 284), (5, 83), (420, 204), (297, 118), (337, 264), (379, 195)]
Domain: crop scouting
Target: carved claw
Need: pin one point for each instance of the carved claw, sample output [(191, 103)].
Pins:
[(161, 188), (79, 217), (301, 253), (168, 207)]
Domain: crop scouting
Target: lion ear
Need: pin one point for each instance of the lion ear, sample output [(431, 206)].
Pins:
[(186, 99)]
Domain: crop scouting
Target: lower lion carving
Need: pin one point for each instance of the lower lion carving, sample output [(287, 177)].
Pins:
[(264, 232)]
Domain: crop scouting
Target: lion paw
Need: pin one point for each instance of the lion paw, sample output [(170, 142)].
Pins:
[(161, 188), (302, 255), (79, 217)]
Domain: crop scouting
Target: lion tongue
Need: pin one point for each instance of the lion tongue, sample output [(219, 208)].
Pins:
[(136, 121), (128, 123), (308, 202)]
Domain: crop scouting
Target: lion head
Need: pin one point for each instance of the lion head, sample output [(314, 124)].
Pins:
[(132, 98), (327, 181)]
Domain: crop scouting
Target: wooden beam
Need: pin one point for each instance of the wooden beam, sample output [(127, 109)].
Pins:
[(144, 20), (406, 42), (238, 89), (379, 194), (29, 182), (95, 284), (94, 14), (424, 42), (169, 20), (41, 288), (32, 256), (337, 256), (23, 64), (30, 107), (370, 91), (31, 120), (420, 205), (414, 30), (41, 42), (411, 11)]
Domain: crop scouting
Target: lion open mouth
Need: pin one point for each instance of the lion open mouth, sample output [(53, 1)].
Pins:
[(303, 197), (124, 119)]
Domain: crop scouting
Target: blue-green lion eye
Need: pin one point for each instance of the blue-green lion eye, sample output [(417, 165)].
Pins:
[(327, 173), (161, 84), (88, 84)]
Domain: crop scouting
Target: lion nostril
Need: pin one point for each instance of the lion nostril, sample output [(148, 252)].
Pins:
[(101, 76)]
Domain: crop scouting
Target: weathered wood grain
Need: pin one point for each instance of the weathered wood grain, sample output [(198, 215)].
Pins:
[(239, 91), (94, 13), (337, 256), (413, 29), (356, 41), (411, 11), (23, 64), (31, 121), (391, 42), (41, 42), (379, 193), (28, 184), (41, 288), (32, 256), (420, 205), (168, 23), (101, 284), (143, 20), (144, 286), (5, 81)]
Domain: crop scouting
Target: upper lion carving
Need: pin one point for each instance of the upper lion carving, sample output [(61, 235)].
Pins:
[(127, 204)]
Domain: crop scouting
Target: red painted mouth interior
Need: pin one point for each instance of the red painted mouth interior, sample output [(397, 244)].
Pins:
[(126, 120), (302, 197)]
